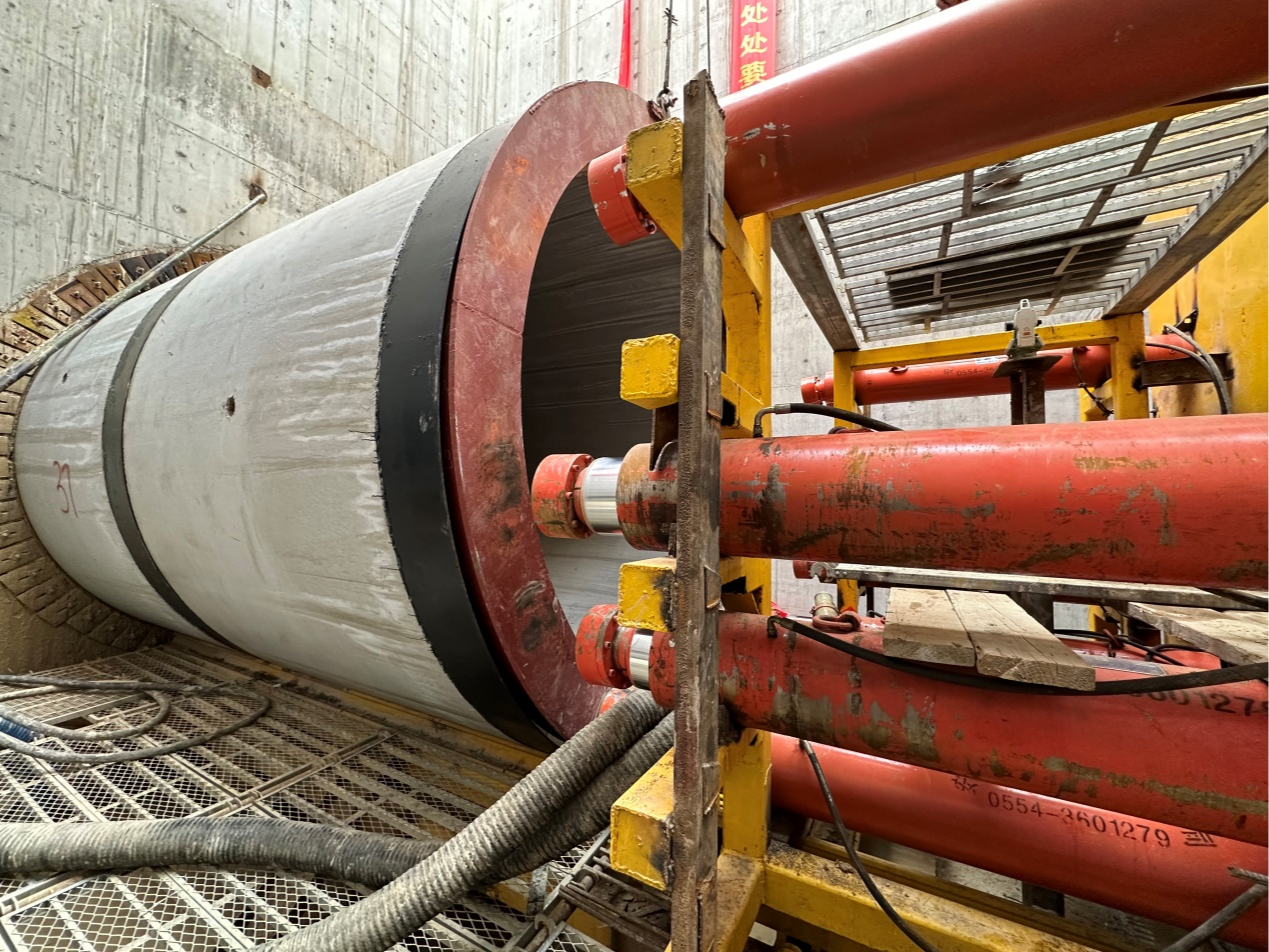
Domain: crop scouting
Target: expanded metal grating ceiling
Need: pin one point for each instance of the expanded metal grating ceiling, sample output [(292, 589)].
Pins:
[(305, 760), (1071, 228)]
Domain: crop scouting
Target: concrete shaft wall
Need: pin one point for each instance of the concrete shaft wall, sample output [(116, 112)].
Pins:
[(129, 124)]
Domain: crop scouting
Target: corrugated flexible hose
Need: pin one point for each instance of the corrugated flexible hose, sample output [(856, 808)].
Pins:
[(562, 802)]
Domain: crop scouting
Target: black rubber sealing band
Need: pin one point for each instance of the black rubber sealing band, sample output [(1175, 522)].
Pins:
[(115, 475), (411, 448)]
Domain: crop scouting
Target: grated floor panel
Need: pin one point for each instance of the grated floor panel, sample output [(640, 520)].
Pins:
[(305, 760)]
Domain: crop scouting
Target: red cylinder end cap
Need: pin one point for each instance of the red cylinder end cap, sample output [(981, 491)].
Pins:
[(817, 389), (802, 568), (554, 485), (597, 646), (621, 215)]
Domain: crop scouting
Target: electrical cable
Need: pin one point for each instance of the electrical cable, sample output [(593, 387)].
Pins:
[(1149, 650), (24, 741), (1171, 682), (849, 416), (1075, 363), (848, 841), (1204, 358)]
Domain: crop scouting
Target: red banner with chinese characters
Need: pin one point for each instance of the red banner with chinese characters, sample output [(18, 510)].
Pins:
[(753, 42)]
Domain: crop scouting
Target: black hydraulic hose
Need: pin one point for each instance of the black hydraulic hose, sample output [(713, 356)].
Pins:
[(30, 727), (1205, 360), (1171, 682), (475, 853), (849, 416), (848, 841), (372, 859)]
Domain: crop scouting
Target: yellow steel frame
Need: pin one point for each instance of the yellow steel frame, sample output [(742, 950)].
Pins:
[(649, 371), (804, 894), (794, 888)]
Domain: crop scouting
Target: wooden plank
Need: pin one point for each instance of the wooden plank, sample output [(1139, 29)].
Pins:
[(922, 625), (793, 244), (698, 591), (1214, 220), (1068, 589), (1011, 644), (1239, 637)]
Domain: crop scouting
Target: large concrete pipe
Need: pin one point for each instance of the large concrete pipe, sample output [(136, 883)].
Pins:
[(315, 448)]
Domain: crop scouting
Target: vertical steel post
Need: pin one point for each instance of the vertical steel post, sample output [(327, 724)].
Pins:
[(697, 589), (1026, 406), (846, 399)]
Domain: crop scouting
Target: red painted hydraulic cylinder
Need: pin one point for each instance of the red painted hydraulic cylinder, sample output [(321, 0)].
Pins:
[(1194, 759), (946, 380), (1182, 501), (1147, 868), (980, 77)]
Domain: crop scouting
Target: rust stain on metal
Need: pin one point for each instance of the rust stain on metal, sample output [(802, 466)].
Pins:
[(1237, 807), (1244, 568), (998, 769), (877, 732), (919, 729), (1096, 464), (501, 462)]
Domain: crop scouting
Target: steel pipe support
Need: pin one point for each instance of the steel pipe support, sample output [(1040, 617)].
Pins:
[(979, 78), (1179, 501), (945, 380), (1144, 867), (971, 82), (1117, 753)]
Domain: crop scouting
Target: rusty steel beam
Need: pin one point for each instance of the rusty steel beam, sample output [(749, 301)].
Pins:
[(1180, 501), (976, 79), (1114, 752), (1176, 876), (694, 837)]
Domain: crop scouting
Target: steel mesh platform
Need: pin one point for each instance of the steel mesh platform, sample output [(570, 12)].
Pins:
[(305, 760)]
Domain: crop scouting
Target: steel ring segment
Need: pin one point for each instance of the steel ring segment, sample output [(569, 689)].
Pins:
[(506, 567), (411, 449), (114, 472)]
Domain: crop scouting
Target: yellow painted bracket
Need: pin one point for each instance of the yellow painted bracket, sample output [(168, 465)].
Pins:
[(645, 594), (650, 371), (640, 846), (650, 379), (654, 168)]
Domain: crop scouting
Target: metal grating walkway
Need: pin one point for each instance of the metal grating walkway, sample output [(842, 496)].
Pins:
[(305, 760), (1072, 228)]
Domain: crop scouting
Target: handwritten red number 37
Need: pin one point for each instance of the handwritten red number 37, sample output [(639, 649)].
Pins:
[(63, 472)]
